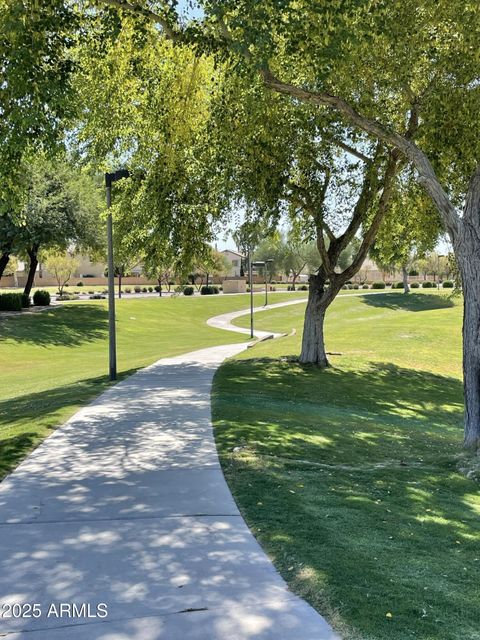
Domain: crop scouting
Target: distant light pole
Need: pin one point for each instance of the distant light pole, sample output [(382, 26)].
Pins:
[(110, 178), (268, 261)]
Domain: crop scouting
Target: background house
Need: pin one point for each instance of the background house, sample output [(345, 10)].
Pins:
[(235, 260)]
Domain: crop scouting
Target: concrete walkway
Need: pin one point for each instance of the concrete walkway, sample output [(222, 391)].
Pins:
[(224, 321), (126, 505)]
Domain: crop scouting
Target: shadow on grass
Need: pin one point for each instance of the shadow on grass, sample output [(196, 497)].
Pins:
[(409, 302), (382, 412), (349, 481), (69, 325)]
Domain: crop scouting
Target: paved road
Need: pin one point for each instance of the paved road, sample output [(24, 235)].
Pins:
[(126, 505)]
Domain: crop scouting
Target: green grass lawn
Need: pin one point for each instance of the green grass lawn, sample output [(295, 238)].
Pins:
[(54, 361), (348, 477)]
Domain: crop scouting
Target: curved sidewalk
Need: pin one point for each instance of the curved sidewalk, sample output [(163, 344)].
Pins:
[(224, 321), (126, 505)]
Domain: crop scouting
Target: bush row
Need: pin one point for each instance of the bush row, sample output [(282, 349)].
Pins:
[(19, 301)]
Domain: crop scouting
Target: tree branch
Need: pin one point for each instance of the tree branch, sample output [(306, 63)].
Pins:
[(384, 203), (134, 7), (427, 176), (352, 151)]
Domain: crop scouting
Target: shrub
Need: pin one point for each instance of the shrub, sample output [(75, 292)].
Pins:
[(157, 288), (150, 289), (303, 287), (208, 290), (137, 289), (448, 284), (97, 296), (356, 286), (127, 290), (11, 301), (79, 284), (171, 283), (414, 285), (365, 286), (26, 302), (91, 292), (344, 286), (188, 291), (41, 298), (144, 290), (427, 284), (378, 285), (399, 285)]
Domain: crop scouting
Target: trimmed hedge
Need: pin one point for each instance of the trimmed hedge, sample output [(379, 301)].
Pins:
[(378, 285), (26, 302), (11, 302), (428, 285), (41, 298), (188, 291), (414, 285), (365, 286), (448, 284), (208, 290)]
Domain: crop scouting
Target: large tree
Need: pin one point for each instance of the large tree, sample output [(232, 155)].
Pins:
[(290, 162), (61, 208), (376, 65)]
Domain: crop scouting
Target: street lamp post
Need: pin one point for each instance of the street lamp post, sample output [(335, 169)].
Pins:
[(110, 178), (251, 290), (267, 262)]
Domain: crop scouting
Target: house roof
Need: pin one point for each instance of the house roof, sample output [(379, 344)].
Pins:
[(240, 255)]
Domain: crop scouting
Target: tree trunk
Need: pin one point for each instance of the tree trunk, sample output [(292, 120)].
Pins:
[(406, 288), (465, 246), (33, 255), (4, 258), (159, 280), (471, 355), (119, 284), (313, 342)]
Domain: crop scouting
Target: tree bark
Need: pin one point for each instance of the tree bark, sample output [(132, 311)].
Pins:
[(406, 288), (319, 299), (119, 283), (159, 280), (471, 351), (33, 256), (4, 258), (468, 258)]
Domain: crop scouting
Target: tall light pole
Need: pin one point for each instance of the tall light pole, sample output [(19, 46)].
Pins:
[(110, 178), (251, 290)]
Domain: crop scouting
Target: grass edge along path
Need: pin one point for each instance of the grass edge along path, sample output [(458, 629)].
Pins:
[(55, 361), (348, 477)]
